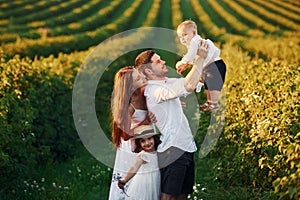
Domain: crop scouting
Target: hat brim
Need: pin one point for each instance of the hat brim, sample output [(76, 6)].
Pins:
[(144, 135)]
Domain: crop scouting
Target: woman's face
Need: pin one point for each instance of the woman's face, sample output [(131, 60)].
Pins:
[(139, 80)]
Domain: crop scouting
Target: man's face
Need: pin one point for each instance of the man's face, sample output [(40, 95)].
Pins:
[(158, 67)]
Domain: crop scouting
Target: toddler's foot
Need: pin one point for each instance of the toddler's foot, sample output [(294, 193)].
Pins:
[(203, 106), (211, 107)]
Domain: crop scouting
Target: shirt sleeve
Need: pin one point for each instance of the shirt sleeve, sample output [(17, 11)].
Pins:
[(213, 51), (171, 90), (191, 53), (143, 155)]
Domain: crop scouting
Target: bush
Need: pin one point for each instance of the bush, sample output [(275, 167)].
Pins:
[(35, 117), (260, 145)]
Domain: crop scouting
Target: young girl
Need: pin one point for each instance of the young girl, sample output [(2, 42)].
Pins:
[(145, 175), (214, 68)]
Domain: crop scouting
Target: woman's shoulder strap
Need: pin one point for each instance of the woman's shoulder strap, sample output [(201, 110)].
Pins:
[(133, 106)]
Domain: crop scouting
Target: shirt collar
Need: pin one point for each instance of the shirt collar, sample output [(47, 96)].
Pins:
[(151, 82)]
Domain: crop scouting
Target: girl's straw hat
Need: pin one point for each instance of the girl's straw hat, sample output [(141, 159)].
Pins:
[(144, 131)]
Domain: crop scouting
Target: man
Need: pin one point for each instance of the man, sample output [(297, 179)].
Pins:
[(176, 152)]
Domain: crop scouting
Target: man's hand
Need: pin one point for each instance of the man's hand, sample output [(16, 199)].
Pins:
[(203, 49)]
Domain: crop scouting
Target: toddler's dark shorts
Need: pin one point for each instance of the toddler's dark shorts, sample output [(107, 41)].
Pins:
[(214, 75)]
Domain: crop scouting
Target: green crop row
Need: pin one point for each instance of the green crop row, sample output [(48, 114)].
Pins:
[(287, 5), (211, 17), (272, 17), (282, 11), (47, 12), (57, 20), (69, 43), (10, 6)]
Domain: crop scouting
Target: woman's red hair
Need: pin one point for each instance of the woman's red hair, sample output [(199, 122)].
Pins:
[(121, 119)]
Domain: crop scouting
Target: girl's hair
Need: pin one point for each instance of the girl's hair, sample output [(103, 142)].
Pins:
[(138, 148), (122, 92)]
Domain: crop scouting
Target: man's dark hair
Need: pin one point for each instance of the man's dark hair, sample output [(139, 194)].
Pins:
[(144, 57)]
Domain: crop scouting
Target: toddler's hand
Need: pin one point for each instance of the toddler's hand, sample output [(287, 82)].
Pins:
[(181, 68), (121, 184)]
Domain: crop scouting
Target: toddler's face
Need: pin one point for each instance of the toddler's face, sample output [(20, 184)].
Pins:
[(185, 34), (148, 144)]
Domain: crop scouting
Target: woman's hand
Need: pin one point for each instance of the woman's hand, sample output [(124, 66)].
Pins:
[(183, 104), (151, 117)]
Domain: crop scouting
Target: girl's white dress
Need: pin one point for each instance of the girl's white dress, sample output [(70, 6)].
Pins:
[(145, 185), (125, 158)]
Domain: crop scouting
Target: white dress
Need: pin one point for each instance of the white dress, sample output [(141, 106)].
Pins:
[(125, 158), (145, 185)]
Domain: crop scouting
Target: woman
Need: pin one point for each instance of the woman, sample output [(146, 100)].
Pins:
[(129, 110)]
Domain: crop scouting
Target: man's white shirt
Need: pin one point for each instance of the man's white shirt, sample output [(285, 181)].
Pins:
[(163, 100)]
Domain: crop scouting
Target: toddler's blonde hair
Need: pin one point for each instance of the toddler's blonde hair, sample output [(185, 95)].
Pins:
[(189, 24)]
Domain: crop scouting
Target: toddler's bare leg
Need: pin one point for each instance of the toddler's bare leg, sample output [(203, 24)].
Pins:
[(214, 96), (214, 101)]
